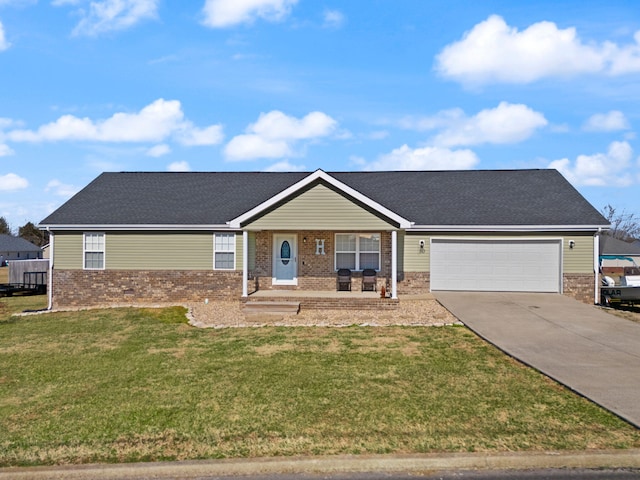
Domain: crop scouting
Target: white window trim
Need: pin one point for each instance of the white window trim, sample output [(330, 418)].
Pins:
[(357, 252), (233, 250), (85, 251)]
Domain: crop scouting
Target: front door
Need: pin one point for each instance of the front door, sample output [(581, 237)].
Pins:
[(285, 265)]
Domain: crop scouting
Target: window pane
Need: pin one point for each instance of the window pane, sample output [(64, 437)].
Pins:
[(370, 243), (224, 242), (345, 242), (94, 260), (369, 260), (224, 261), (346, 260)]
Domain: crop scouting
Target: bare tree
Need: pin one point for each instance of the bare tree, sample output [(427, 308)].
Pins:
[(624, 226)]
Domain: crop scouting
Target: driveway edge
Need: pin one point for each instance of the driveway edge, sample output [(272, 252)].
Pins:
[(423, 463)]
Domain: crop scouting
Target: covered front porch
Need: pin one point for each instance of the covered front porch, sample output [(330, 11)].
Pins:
[(305, 263)]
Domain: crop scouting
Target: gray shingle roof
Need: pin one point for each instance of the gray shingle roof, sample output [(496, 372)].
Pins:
[(9, 243), (613, 246), (470, 197)]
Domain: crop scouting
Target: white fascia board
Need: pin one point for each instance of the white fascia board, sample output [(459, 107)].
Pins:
[(507, 228), (158, 227), (319, 175)]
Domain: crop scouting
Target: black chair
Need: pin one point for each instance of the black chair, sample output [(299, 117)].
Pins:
[(369, 281), (344, 279)]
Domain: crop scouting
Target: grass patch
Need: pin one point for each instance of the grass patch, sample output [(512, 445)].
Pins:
[(124, 385)]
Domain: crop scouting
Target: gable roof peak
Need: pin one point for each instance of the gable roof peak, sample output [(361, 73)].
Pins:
[(319, 174)]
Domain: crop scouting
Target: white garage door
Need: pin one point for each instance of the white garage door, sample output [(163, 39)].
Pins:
[(495, 265)]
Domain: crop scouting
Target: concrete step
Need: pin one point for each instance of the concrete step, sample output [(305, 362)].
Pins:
[(274, 307)]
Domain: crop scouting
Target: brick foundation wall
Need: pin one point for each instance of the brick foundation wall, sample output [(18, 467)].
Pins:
[(579, 286), (413, 283), (83, 288)]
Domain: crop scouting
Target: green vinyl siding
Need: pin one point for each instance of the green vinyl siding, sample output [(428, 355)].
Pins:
[(145, 250), (319, 208), (578, 259), (239, 251), (415, 259), (159, 251), (67, 251)]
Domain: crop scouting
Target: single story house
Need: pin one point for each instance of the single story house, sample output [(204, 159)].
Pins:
[(616, 254), (150, 237), (16, 248)]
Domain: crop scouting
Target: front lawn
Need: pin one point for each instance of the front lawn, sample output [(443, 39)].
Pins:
[(140, 384)]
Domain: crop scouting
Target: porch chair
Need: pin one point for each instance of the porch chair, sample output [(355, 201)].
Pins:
[(369, 281), (344, 279)]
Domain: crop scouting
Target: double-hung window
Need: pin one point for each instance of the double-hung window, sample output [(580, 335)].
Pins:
[(224, 251), (357, 251), (93, 247)]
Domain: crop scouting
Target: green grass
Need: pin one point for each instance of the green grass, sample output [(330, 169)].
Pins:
[(139, 385)]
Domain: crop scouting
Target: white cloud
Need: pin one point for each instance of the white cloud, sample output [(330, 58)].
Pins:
[(5, 151), (248, 147), (158, 150), (11, 181), (492, 51), (4, 44), (275, 134), (600, 169), (333, 19), (277, 125), (285, 166), (193, 136), (156, 122), (506, 123), (8, 123), (111, 15), (226, 13), (607, 122), (427, 158), (179, 167), (61, 189), (625, 59)]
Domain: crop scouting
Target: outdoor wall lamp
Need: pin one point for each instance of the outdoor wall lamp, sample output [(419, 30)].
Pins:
[(572, 244)]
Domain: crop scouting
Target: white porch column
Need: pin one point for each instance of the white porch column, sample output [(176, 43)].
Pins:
[(245, 262), (394, 264), (596, 267), (50, 279)]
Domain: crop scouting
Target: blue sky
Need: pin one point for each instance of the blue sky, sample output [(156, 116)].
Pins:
[(235, 85)]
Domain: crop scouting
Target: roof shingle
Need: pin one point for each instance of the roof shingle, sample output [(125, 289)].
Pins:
[(446, 198)]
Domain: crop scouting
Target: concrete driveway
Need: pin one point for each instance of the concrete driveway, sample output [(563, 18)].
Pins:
[(590, 351)]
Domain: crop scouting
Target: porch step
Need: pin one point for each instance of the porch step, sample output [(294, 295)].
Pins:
[(306, 301), (271, 307)]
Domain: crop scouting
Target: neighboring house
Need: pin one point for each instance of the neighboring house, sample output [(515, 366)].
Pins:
[(616, 254), (134, 238), (16, 248)]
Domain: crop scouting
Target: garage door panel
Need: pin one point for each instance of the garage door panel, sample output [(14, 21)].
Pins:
[(495, 265)]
